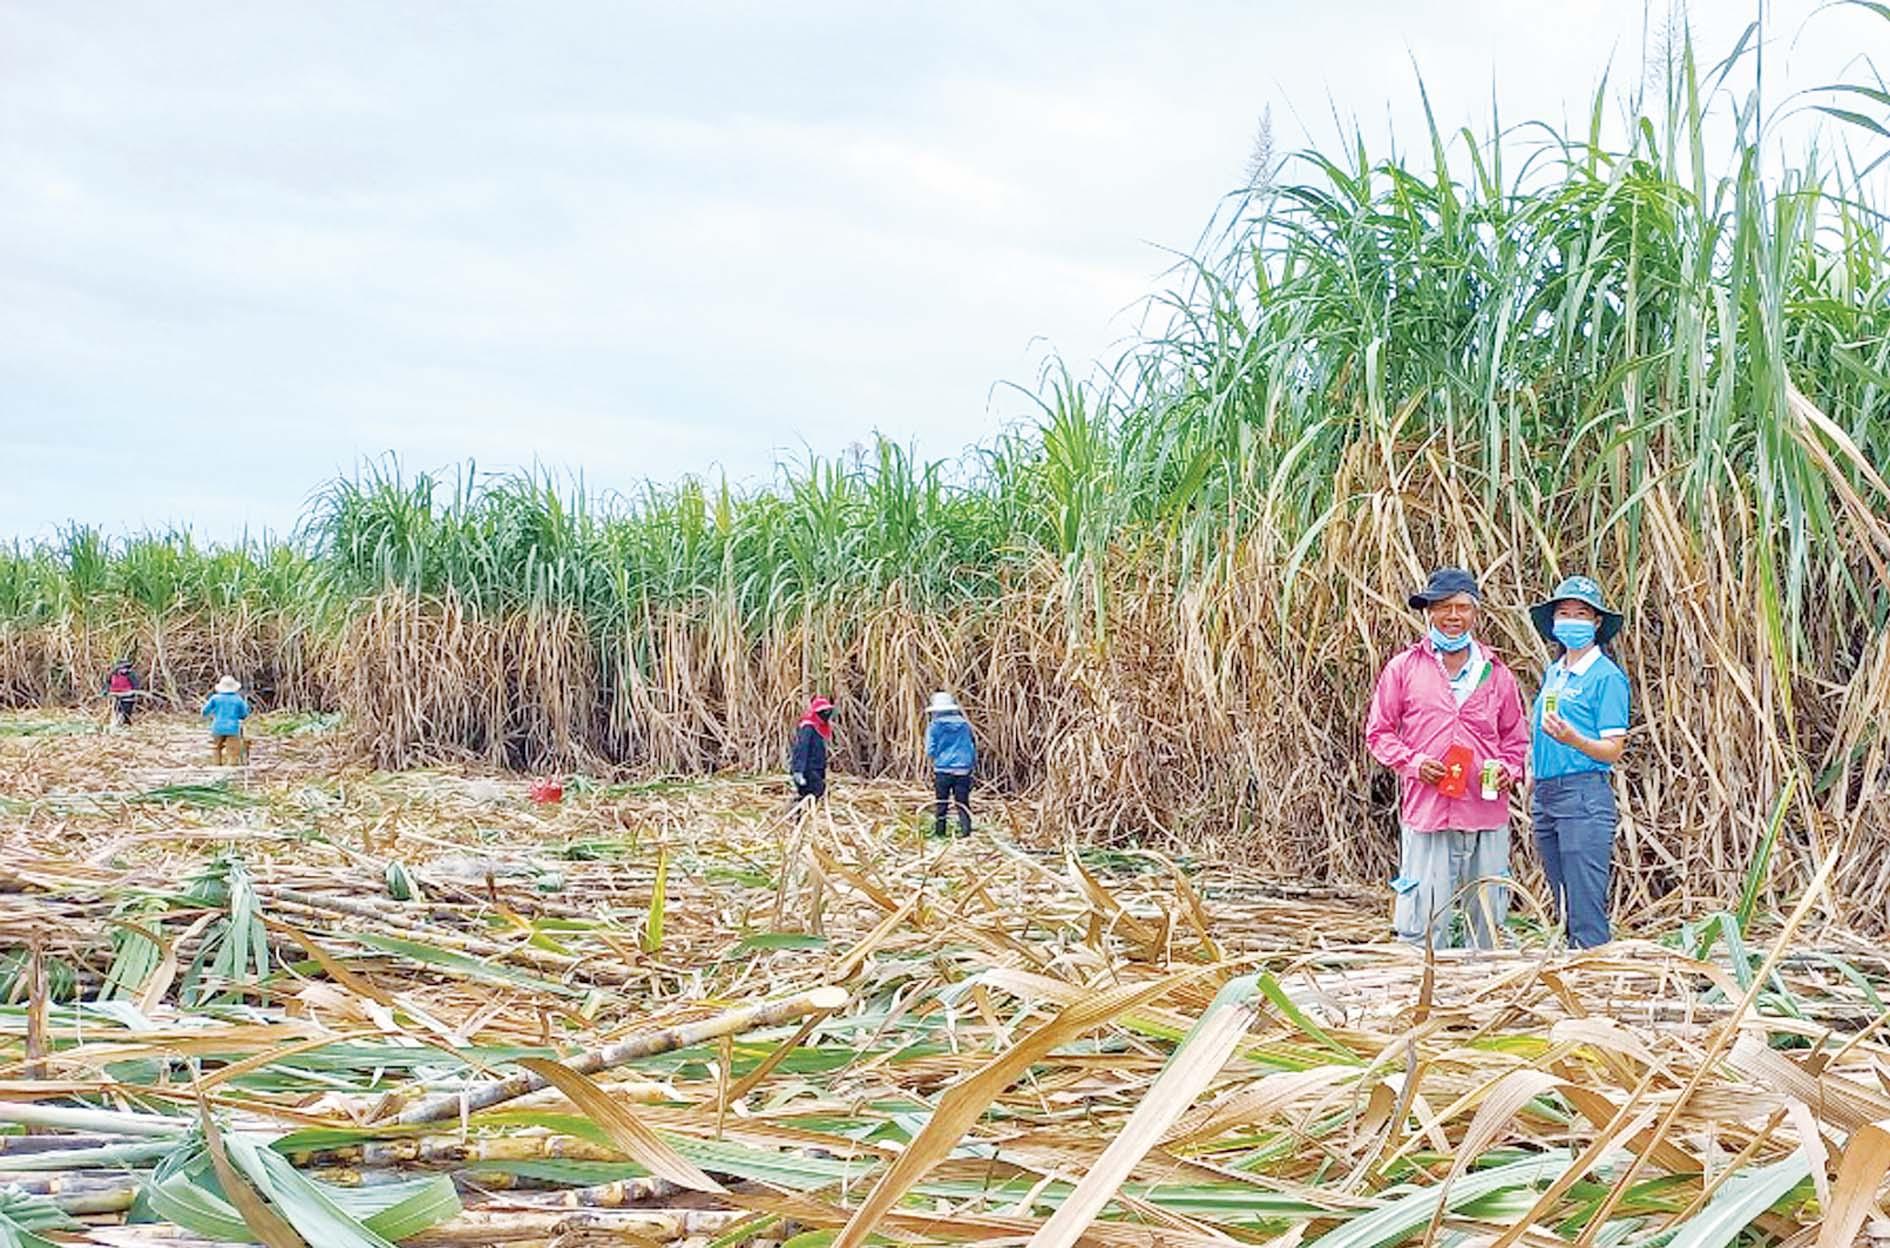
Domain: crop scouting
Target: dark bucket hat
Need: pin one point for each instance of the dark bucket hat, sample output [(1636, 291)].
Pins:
[(1445, 583), (1576, 589)]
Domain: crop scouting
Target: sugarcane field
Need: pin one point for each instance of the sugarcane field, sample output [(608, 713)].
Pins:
[(427, 1007), (553, 694)]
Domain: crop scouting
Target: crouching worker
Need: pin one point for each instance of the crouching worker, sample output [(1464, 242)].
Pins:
[(807, 763), (954, 754), (226, 710), (122, 687), (1447, 716)]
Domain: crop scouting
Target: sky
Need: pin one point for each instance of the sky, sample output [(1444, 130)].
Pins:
[(246, 247)]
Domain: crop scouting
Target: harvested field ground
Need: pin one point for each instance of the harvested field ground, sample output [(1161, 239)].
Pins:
[(810, 1031)]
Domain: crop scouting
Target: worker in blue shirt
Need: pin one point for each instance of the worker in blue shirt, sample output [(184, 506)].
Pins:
[(226, 710), (1578, 733), (949, 744)]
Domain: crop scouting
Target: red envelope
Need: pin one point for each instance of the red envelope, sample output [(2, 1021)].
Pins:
[(1457, 762)]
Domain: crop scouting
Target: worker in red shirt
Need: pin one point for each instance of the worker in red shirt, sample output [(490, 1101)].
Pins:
[(122, 687)]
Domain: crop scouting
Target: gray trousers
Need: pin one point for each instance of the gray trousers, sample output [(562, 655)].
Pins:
[(1433, 866), (1575, 818)]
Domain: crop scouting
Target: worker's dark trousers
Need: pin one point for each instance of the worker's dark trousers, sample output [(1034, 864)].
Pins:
[(1575, 817), (952, 789), (813, 790), (121, 710)]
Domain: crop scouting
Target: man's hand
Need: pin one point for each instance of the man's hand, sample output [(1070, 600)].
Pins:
[(800, 780), (1559, 729), (1430, 770)]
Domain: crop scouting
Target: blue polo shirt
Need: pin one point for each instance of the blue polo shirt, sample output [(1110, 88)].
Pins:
[(1593, 697)]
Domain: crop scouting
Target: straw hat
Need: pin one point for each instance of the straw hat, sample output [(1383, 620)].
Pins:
[(229, 684), (942, 703)]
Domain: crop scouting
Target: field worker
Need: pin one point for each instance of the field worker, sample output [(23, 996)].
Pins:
[(949, 745), (122, 687), (1580, 723), (226, 711), (1447, 716), (807, 764)]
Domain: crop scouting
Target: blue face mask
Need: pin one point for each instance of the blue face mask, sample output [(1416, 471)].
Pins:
[(1447, 643), (1575, 634)]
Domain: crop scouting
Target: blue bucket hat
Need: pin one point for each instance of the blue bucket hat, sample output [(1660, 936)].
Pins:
[(1445, 583), (1580, 589)]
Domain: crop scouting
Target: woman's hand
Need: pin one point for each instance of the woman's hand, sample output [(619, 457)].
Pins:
[(1430, 771), (1559, 729), (1506, 780)]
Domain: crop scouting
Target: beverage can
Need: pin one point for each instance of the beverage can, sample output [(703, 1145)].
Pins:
[(1492, 775), (1552, 695)]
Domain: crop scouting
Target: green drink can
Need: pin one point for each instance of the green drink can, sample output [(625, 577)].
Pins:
[(1492, 778)]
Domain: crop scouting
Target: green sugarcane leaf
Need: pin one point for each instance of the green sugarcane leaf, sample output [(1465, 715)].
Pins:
[(312, 1212), (653, 922), (22, 1213), (1411, 1211), (1739, 1201), (449, 960), (401, 884), (1762, 860), (422, 1205), (1271, 989), (782, 940), (184, 1190)]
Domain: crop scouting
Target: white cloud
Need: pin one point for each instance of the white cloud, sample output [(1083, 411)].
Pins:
[(261, 243)]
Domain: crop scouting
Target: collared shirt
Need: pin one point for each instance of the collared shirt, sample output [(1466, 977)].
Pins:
[(1592, 694), (1469, 676), (1416, 714)]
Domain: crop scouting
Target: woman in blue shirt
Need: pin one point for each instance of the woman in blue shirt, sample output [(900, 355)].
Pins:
[(1578, 733)]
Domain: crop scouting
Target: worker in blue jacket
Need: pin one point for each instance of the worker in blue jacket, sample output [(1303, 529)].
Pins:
[(954, 755), (226, 710)]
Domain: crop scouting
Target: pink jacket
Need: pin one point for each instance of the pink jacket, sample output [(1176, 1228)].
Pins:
[(1414, 717)]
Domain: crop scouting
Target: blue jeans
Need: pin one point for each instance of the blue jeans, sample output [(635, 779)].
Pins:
[(1575, 817)]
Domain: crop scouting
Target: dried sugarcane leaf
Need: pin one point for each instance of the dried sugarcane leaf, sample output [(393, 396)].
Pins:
[(1865, 1160), (1193, 1066), (1504, 1100), (637, 1141), (963, 1104), (269, 1227)]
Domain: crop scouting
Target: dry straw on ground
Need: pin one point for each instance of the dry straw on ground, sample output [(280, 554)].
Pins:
[(1639, 352), (840, 1027)]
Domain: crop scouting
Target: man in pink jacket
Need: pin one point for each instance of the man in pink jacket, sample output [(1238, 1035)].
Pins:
[(1442, 710)]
